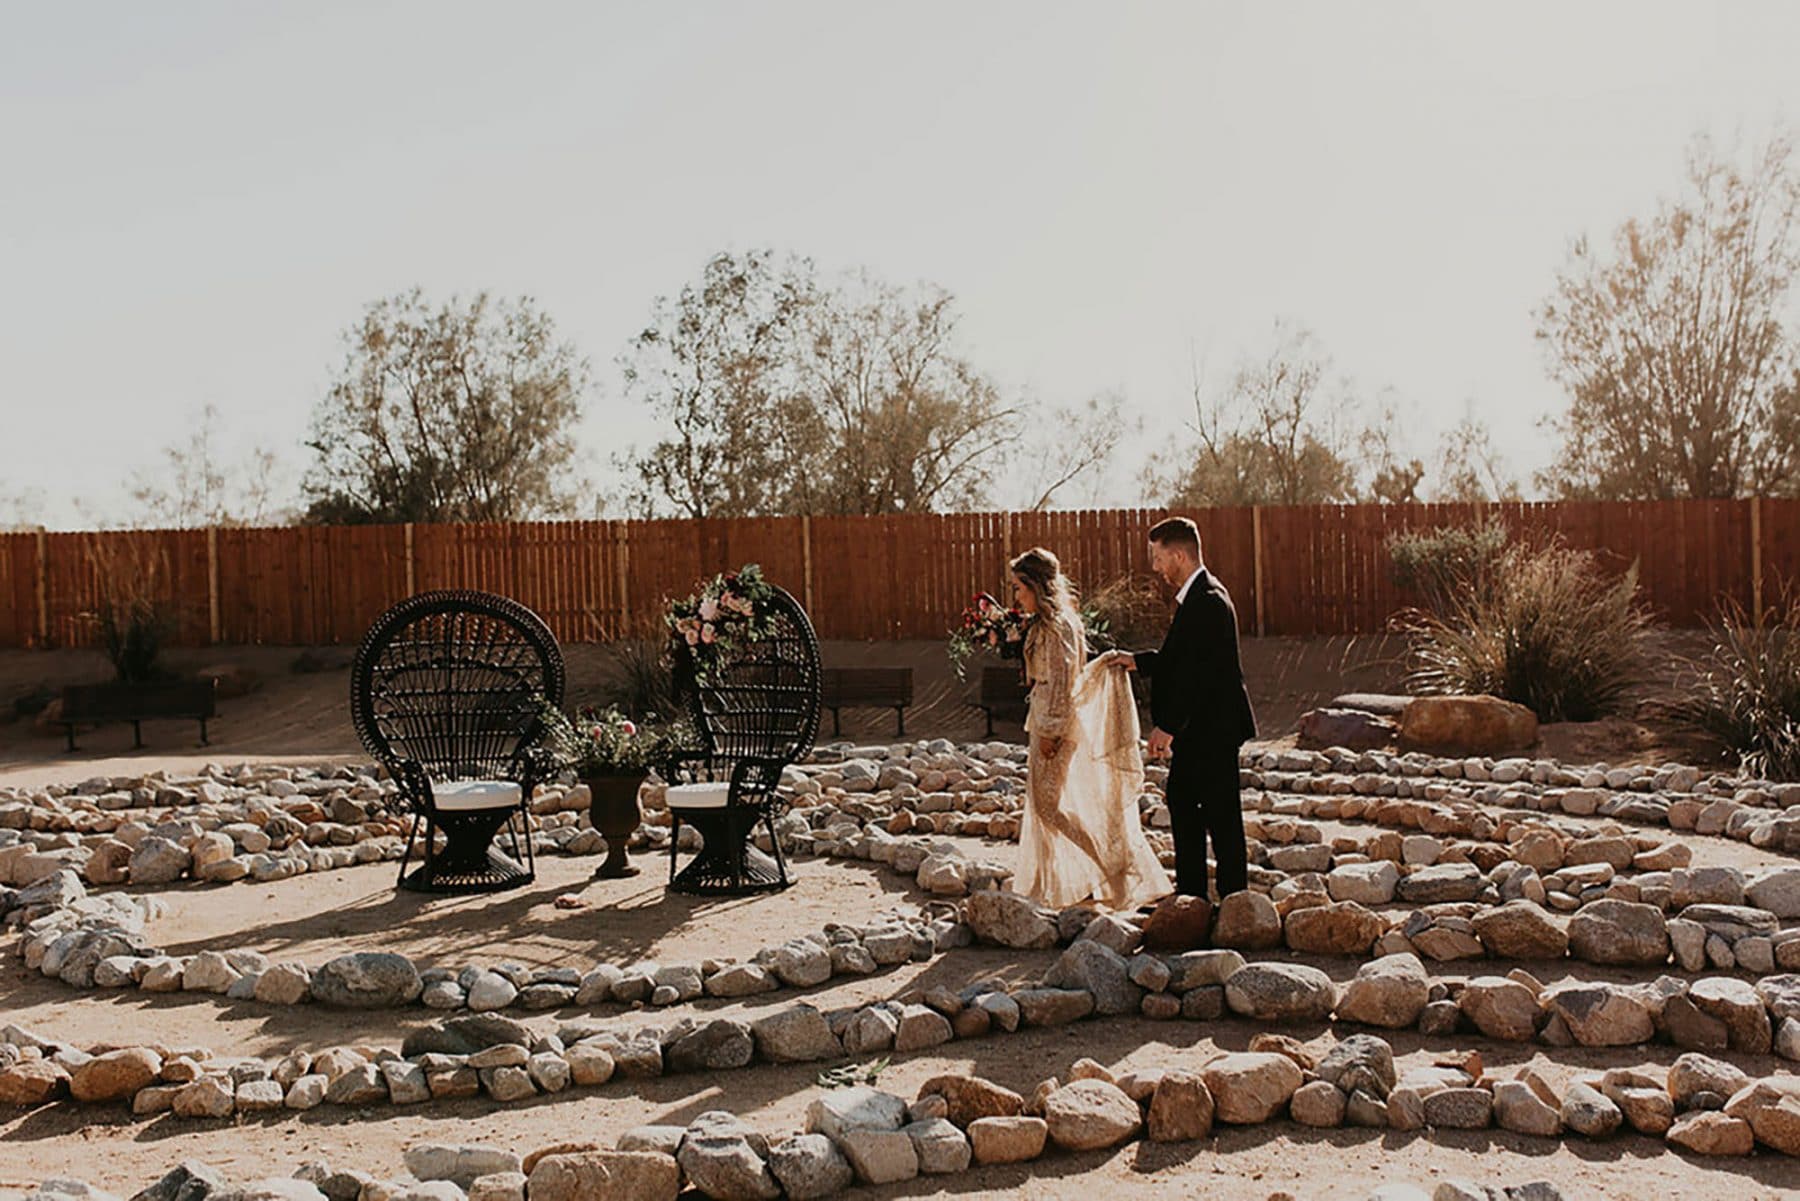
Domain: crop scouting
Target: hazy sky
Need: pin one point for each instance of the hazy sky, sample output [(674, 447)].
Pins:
[(199, 198)]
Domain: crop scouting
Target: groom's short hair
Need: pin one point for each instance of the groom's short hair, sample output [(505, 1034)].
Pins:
[(1178, 532)]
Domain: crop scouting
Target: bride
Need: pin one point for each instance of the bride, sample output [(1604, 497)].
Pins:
[(1079, 838)]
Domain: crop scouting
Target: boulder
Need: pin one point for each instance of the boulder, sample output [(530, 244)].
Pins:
[(1361, 1061), (1181, 1108), (1179, 923), (1442, 882), (1471, 725), (941, 1148), (809, 1167), (1735, 1003), (1366, 883), (1601, 1015), (1694, 1074), (1586, 1110), (1320, 1104), (1521, 930), (1390, 992), (1772, 1108), (1340, 928), (970, 1098), (1501, 1008), (1250, 1087), (1619, 932), (1008, 1139), (367, 980), (796, 1034), (1282, 992), (1352, 729), (605, 1176), (1010, 920), (115, 1076), (1090, 1115), (1712, 1133), (1102, 971), (1247, 921)]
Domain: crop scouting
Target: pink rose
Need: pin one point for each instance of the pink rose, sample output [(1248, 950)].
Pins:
[(629, 728), (708, 635), (692, 636), (709, 610)]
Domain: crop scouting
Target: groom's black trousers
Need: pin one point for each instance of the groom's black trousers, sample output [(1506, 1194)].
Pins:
[(1202, 794)]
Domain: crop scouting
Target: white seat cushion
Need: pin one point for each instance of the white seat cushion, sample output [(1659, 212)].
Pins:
[(699, 796), (468, 795)]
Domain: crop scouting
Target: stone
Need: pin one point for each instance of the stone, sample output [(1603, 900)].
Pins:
[(158, 861), (1390, 992), (1352, 729), (1197, 969), (1340, 928), (1247, 921), (1250, 1087), (1521, 930), (921, 1027), (970, 1098), (1519, 1108), (1179, 923), (1619, 932), (1181, 1108), (465, 1035), (361, 1085), (259, 1096), (1441, 882), (1473, 725), (1360, 1061), (802, 963), (1280, 992), (489, 991), (1712, 1133), (1053, 1006), (941, 1147), (605, 1176), (796, 1034), (856, 1108), (458, 1162), (1459, 1109), (809, 1166), (725, 1165), (1693, 1074), (1100, 970), (1007, 1139), (207, 1097), (1772, 1107), (1776, 889), (1365, 883), (880, 1156), (1010, 920), (190, 1180), (1500, 1008), (1090, 1115), (590, 1064), (284, 984), (499, 1186), (1601, 1015), (308, 1092), (1319, 1104), (270, 1188), (1735, 1003), (115, 1076), (1587, 1111), (719, 1045), (741, 980), (367, 980)]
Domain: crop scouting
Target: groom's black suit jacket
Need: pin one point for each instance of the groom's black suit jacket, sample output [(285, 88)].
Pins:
[(1197, 691)]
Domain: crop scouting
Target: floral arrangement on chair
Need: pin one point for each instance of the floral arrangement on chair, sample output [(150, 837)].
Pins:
[(604, 742), (728, 611), (987, 626)]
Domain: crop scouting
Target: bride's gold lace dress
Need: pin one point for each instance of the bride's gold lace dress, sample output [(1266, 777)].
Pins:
[(1080, 837)]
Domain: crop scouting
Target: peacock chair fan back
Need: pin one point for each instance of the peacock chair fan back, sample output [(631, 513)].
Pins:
[(454, 681), (760, 702)]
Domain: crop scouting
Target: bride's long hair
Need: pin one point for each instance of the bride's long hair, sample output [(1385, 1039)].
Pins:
[(1041, 571)]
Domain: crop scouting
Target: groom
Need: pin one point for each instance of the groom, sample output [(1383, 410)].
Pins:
[(1201, 712)]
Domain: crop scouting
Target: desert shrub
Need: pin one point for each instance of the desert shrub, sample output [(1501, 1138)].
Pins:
[(1127, 612), (1746, 692), (1440, 565), (1547, 629), (132, 612)]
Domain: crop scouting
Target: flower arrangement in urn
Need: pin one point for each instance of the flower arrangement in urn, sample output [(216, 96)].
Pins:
[(728, 610), (612, 755), (988, 626)]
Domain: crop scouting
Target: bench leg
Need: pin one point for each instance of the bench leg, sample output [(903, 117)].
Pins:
[(137, 735), (69, 731), (835, 731), (203, 741), (899, 721)]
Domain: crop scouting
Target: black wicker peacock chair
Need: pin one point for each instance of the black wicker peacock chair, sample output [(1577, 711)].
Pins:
[(756, 713), (446, 692)]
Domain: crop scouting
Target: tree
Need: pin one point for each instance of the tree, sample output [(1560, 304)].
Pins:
[(716, 366), (464, 412), (1469, 469), (1278, 435), (1073, 442), (204, 486), (1395, 477), (781, 394), (1681, 378), (908, 424)]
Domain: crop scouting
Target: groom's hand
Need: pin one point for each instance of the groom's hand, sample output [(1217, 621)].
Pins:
[(1160, 743), (1121, 660)]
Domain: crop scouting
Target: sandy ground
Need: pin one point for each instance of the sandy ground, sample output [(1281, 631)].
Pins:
[(297, 717)]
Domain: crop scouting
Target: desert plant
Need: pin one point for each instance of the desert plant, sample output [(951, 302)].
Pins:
[(1438, 565), (1746, 692), (131, 612), (1129, 611), (642, 679), (1550, 630)]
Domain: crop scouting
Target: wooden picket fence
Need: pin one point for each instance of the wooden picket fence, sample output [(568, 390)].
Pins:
[(1305, 570)]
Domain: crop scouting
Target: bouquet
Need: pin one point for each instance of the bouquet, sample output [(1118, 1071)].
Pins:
[(988, 626), (604, 742), (729, 610)]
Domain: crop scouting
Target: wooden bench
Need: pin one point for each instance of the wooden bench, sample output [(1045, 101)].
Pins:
[(1002, 695), (867, 688), (96, 704)]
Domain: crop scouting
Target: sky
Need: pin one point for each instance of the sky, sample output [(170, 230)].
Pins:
[(200, 198)]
